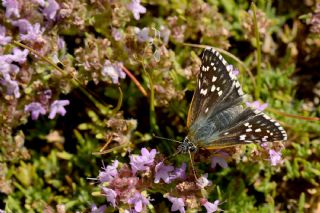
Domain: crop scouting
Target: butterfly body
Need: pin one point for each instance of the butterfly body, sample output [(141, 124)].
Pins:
[(217, 117)]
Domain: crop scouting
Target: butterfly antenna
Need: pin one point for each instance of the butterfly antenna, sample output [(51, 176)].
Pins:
[(192, 166), (168, 139)]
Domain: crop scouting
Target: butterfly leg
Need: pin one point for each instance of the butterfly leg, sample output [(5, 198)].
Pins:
[(192, 166)]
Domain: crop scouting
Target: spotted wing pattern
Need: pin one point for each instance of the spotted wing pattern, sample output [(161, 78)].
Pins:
[(217, 117), (216, 84)]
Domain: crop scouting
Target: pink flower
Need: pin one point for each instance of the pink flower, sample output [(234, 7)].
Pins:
[(57, 107), (275, 157), (142, 162), (257, 105), (203, 181), (139, 201), (3, 38), (95, 209), (34, 33), (36, 109), (162, 172), (11, 86), (114, 71), (12, 7), (136, 8), (109, 172), (22, 24), (111, 195), (50, 11), (179, 173), (210, 207), (219, 159), (177, 204), (19, 56)]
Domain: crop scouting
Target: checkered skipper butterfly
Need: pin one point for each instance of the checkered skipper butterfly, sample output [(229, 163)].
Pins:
[(217, 117)]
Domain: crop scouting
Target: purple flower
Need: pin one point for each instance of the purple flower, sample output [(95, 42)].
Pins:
[(114, 71), (143, 161), (177, 204), (116, 34), (230, 68), (165, 33), (143, 34), (210, 207), (19, 56), (36, 109), (179, 173), (3, 38), (57, 107), (219, 159), (22, 24), (109, 172), (203, 181), (257, 105), (162, 172), (95, 209), (12, 7), (111, 195), (50, 11), (275, 157), (136, 8), (12, 87), (34, 33), (139, 201)]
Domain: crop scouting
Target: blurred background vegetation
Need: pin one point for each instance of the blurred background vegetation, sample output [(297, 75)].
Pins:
[(45, 163)]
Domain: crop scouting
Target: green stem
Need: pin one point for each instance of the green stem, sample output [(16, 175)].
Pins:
[(153, 119), (257, 35)]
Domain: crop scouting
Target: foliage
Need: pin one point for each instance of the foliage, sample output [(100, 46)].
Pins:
[(106, 75)]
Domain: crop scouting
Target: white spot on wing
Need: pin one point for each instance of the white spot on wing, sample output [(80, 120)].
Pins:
[(203, 91), (213, 88), (257, 130), (214, 78)]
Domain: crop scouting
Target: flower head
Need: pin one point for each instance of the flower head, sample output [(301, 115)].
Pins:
[(50, 11), (23, 25), (110, 195), (142, 162), (57, 107), (210, 207), (257, 105), (116, 34), (275, 157), (163, 172), (3, 38), (109, 172), (139, 201), (136, 8), (19, 56), (203, 181), (12, 87), (177, 204), (12, 8), (34, 33), (114, 71), (232, 70), (36, 109), (179, 173), (143, 34)]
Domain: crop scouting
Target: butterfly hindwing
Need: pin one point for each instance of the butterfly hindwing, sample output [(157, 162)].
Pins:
[(216, 84), (252, 127)]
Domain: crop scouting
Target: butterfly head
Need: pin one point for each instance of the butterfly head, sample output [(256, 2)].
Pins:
[(187, 146)]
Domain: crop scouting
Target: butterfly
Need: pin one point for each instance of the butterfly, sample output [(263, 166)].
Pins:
[(217, 117)]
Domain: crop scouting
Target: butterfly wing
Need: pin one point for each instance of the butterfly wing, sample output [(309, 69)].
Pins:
[(251, 126), (216, 84), (216, 116)]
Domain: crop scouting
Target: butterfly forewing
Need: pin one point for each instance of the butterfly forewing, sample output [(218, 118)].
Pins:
[(217, 117), (216, 84)]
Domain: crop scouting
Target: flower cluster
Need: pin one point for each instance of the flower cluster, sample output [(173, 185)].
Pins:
[(127, 186)]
